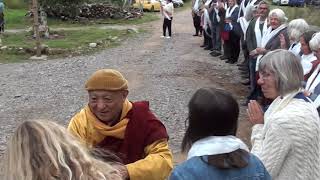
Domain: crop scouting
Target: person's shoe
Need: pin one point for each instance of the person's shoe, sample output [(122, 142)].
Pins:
[(245, 82), (223, 57), (195, 35), (207, 48), (162, 36), (168, 37), (230, 61), (244, 72), (245, 76), (202, 45), (215, 53), (243, 68)]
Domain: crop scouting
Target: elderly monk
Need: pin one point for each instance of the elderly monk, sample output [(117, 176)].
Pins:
[(129, 129)]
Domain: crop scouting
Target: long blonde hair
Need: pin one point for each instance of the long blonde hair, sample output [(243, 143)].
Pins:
[(45, 150)]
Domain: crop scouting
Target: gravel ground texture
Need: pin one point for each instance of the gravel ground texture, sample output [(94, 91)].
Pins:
[(165, 72)]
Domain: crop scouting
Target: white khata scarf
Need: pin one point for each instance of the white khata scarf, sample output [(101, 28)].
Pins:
[(214, 145), (258, 32), (295, 48), (267, 36), (314, 79), (196, 6), (306, 62)]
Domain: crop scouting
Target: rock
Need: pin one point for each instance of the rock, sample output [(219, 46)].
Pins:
[(93, 45), (42, 57), (133, 30), (4, 47)]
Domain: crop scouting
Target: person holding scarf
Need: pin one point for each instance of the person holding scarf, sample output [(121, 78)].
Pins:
[(286, 137), (207, 27), (312, 88), (232, 48), (271, 39), (214, 151), (308, 60), (256, 28), (197, 5), (128, 129), (167, 12)]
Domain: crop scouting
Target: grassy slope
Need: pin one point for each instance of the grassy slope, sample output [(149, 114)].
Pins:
[(72, 40)]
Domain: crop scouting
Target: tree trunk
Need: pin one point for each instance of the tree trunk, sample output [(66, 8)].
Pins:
[(36, 26)]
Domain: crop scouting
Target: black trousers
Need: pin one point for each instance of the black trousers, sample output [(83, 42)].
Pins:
[(197, 24), (232, 47), (167, 25), (1, 22)]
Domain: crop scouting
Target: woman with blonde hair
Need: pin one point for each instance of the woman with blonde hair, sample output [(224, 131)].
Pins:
[(45, 150)]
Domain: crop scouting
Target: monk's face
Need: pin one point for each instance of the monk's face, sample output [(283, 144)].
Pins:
[(107, 105)]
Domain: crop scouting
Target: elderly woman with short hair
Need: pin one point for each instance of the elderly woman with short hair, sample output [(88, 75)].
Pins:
[(308, 59), (271, 39), (296, 28), (286, 137), (312, 88)]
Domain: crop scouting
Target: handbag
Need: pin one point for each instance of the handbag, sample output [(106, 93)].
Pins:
[(225, 34)]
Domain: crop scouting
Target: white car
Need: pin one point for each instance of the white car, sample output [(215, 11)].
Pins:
[(177, 3), (280, 2)]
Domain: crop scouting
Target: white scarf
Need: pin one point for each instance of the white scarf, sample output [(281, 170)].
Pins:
[(267, 36), (258, 32), (278, 104), (206, 21), (295, 48), (196, 6), (314, 79), (244, 26), (216, 10), (230, 11), (242, 8), (306, 62), (214, 145)]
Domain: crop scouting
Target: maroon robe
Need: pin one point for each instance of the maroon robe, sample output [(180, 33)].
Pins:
[(142, 130)]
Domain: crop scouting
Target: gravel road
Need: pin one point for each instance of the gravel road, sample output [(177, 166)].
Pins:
[(165, 72)]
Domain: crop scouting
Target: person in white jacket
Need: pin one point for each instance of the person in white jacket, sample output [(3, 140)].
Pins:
[(286, 137), (167, 12)]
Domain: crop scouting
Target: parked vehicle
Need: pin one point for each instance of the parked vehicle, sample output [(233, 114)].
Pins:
[(149, 5), (177, 3), (280, 2), (298, 3), (315, 3)]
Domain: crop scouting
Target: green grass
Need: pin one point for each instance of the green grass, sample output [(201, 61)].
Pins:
[(15, 18), (71, 42), (310, 14)]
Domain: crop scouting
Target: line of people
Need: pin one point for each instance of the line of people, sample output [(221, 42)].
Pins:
[(255, 29)]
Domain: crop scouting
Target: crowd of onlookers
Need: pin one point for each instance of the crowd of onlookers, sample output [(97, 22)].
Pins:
[(257, 30)]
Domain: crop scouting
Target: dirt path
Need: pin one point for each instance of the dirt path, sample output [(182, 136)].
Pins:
[(165, 72)]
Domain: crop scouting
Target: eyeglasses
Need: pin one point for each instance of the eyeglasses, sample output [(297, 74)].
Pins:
[(265, 75)]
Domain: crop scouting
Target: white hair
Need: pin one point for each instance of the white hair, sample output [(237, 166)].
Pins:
[(279, 14), (315, 42), (297, 27)]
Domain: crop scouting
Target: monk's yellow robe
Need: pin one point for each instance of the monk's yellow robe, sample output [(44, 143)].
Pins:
[(157, 163)]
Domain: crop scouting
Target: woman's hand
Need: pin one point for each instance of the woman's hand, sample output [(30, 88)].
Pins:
[(253, 53), (261, 51), (283, 43), (306, 93), (255, 112)]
